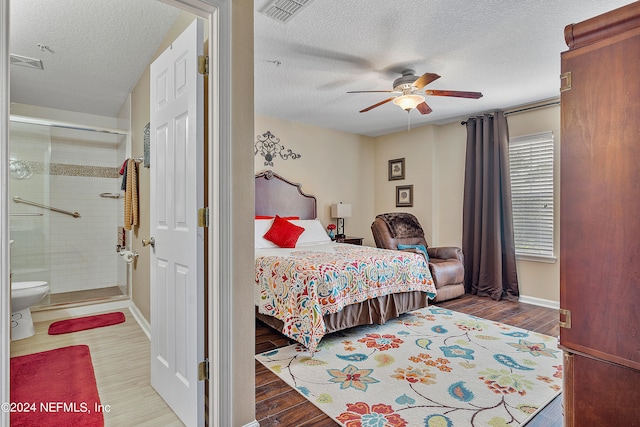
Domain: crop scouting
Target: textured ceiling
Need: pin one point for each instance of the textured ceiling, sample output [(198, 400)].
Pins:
[(98, 50), (508, 50)]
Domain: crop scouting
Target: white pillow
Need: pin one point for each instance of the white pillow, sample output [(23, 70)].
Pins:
[(314, 232), (260, 228)]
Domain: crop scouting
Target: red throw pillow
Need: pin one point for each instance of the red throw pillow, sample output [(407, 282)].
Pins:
[(283, 233)]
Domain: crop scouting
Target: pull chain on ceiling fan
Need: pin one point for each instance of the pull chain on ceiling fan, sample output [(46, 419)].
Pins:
[(410, 95)]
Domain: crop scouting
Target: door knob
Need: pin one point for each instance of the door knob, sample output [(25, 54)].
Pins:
[(150, 241)]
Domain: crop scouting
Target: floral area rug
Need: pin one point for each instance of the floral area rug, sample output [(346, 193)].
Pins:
[(429, 368)]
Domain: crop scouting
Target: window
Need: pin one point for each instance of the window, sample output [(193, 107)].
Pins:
[(531, 168)]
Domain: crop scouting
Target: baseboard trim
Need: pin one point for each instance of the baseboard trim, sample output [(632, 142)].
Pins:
[(144, 325), (253, 423), (84, 310), (539, 301)]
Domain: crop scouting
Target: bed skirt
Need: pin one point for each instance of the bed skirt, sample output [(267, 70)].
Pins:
[(369, 312)]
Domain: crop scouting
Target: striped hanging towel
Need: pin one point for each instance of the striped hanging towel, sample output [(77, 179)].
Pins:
[(131, 196)]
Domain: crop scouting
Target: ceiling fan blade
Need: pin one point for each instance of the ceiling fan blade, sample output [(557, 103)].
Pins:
[(377, 105), (425, 79), (370, 91), (456, 93), (424, 108)]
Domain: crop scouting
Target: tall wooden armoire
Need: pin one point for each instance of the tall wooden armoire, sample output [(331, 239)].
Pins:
[(600, 220)]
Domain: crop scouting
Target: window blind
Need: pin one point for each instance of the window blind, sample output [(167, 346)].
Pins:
[(531, 168)]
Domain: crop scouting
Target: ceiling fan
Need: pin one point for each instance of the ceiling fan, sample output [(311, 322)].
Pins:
[(409, 88)]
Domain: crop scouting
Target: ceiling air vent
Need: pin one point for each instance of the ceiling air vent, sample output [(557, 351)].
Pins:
[(284, 10), (24, 61)]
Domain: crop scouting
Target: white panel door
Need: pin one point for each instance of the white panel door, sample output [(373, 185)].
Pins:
[(177, 191)]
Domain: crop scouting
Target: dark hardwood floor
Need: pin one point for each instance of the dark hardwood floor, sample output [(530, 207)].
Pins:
[(277, 404)]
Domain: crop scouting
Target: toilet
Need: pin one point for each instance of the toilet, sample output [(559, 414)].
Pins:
[(23, 296)]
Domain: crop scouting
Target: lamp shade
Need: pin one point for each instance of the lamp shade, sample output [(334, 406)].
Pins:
[(341, 210), (408, 102)]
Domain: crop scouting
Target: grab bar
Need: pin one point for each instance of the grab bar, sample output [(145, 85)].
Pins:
[(27, 202), (25, 214), (110, 195)]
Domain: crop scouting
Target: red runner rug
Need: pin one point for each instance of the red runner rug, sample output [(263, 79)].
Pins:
[(83, 323), (55, 388)]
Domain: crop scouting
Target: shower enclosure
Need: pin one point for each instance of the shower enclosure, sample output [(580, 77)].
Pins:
[(65, 211)]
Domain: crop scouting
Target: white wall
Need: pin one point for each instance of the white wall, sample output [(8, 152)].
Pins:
[(335, 167)]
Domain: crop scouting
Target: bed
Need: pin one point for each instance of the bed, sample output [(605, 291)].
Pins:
[(307, 286)]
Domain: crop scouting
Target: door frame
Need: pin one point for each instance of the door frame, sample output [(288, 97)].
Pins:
[(218, 15), (5, 290)]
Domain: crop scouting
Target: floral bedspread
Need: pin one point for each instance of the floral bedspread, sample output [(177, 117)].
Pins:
[(301, 288)]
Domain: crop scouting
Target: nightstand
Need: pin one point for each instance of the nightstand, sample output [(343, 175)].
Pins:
[(350, 239)]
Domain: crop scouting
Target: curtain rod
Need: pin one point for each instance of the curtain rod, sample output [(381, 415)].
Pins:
[(522, 110), (66, 125)]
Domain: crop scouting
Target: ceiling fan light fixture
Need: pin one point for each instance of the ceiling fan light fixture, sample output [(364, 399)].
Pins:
[(408, 102)]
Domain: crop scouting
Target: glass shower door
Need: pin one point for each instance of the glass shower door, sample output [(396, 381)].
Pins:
[(29, 159), (66, 210)]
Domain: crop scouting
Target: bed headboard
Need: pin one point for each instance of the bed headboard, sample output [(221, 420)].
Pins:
[(276, 195)]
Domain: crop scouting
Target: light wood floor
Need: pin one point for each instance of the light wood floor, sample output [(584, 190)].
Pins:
[(121, 361), (277, 404), (77, 296)]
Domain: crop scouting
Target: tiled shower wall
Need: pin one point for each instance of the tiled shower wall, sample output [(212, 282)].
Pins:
[(83, 254), (81, 251)]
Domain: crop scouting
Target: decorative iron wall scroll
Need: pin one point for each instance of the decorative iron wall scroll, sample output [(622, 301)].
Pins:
[(268, 145)]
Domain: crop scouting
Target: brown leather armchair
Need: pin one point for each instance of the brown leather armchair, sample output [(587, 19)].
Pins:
[(445, 263)]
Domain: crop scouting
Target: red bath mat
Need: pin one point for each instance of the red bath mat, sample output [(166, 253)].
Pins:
[(83, 323), (55, 388)]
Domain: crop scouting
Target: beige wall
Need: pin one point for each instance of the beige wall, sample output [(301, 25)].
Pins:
[(141, 293), (417, 148), (434, 165), (435, 157), (354, 169), (242, 366), (448, 182), (335, 167)]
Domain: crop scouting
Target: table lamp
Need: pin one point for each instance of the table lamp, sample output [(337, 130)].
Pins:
[(340, 211)]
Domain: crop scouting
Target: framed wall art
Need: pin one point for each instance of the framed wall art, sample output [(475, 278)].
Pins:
[(396, 169), (404, 196)]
